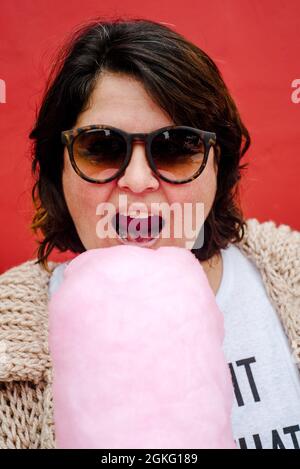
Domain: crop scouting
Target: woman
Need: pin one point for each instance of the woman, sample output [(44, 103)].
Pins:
[(140, 77)]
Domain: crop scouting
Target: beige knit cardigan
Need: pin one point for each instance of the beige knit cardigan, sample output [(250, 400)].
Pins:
[(26, 403)]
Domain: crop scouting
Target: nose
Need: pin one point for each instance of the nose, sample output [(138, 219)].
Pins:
[(138, 176)]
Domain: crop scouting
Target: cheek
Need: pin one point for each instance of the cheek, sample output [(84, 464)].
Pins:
[(203, 189), (82, 198)]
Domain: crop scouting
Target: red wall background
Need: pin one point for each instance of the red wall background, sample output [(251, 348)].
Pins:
[(255, 43)]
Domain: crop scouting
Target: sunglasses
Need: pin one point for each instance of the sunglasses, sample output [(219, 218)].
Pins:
[(101, 153)]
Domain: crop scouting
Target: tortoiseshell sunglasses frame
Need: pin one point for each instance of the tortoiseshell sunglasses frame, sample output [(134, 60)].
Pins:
[(68, 138)]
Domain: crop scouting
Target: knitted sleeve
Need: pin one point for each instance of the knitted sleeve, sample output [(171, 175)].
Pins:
[(23, 316), (25, 376)]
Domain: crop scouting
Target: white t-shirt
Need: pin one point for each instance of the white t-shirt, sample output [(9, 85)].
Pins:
[(266, 410)]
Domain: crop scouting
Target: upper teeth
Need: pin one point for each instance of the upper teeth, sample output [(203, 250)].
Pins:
[(133, 215)]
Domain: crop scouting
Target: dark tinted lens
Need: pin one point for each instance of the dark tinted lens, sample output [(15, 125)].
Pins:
[(99, 153), (178, 153)]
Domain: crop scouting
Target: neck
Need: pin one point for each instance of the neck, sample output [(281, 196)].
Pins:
[(213, 269)]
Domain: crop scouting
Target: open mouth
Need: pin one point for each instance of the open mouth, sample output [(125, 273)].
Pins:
[(138, 230)]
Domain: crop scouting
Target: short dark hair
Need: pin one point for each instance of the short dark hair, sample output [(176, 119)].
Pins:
[(180, 77)]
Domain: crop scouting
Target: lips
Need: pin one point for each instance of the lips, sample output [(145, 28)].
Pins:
[(138, 229)]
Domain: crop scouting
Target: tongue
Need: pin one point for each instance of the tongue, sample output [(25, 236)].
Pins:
[(139, 229)]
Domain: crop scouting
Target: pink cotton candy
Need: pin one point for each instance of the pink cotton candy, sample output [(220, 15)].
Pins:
[(136, 344)]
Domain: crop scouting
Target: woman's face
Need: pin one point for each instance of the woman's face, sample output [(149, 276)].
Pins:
[(122, 102)]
